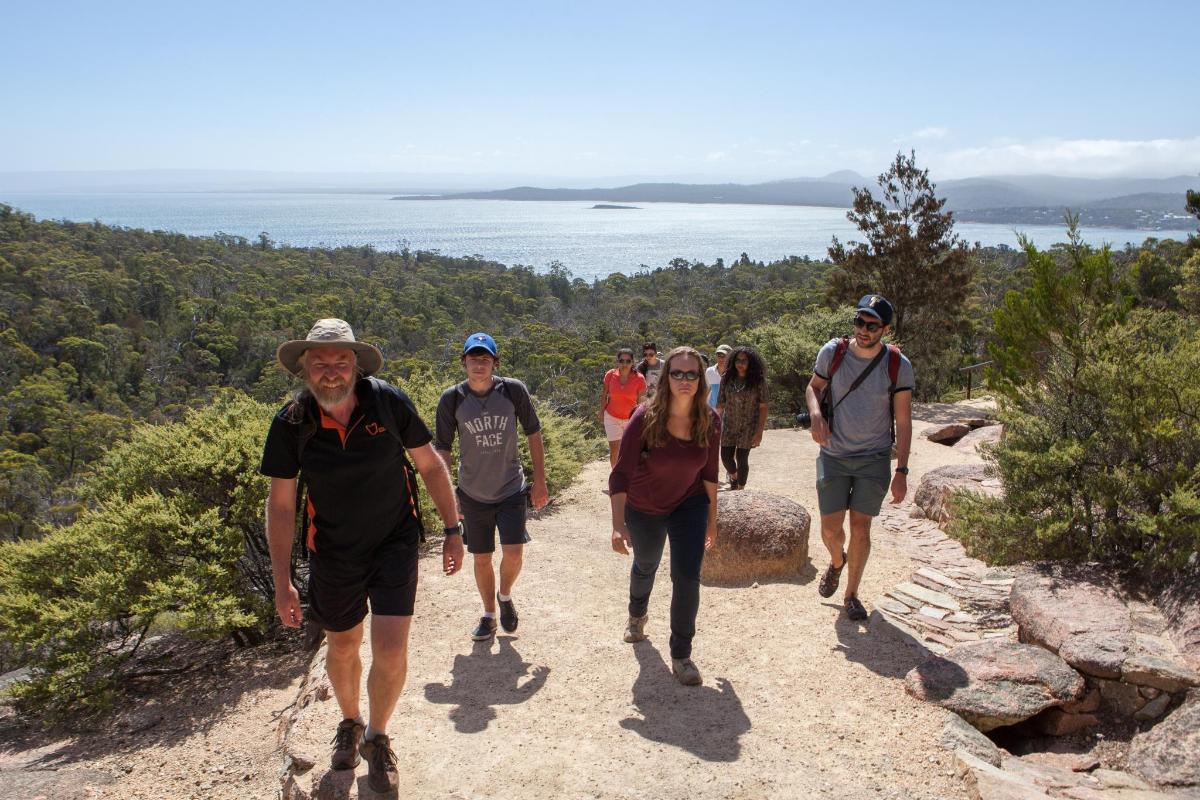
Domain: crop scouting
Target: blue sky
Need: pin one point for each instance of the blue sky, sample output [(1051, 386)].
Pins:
[(695, 89)]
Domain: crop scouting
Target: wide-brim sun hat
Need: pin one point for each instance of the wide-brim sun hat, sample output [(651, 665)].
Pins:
[(330, 333)]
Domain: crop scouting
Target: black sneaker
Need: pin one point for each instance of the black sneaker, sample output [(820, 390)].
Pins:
[(508, 614), (382, 775), (345, 744), (486, 629), (831, 578), (854, 609)]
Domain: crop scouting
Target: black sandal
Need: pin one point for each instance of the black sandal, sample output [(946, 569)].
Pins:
[(831, 578)]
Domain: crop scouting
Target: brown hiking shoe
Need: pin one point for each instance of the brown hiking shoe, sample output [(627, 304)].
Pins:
[(345, 744), (635, 628), (381, 764), (686, 672)]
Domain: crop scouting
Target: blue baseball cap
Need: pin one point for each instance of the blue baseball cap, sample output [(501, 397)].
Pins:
[(480, 341)]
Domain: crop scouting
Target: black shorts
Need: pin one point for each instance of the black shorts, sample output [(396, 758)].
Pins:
[(480, 521), (338, 590)]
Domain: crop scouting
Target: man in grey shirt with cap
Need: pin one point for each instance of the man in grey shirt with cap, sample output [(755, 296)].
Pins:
[(484, 411), (868, 389)]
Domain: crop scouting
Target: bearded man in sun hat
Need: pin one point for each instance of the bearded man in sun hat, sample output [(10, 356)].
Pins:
[(348, 436)]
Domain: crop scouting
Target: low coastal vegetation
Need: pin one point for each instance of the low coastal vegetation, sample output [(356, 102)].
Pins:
[(137, 380)]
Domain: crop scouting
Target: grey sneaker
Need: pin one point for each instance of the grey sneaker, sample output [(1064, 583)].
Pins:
[(635, 628), (685, 672), (382, 776), (345, 744)]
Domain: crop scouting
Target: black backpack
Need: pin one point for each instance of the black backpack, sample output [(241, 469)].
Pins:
[(308, 429)]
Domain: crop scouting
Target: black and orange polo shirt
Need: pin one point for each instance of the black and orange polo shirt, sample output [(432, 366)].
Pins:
[(357, 489)]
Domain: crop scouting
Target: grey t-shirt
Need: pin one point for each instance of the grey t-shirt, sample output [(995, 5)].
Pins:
[(489, 463), (652, 374), (862, 423)]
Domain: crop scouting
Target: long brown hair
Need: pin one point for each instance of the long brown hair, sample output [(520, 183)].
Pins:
[(654, 430)]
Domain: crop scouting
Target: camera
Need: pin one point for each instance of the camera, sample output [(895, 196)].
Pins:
[(804, 418)]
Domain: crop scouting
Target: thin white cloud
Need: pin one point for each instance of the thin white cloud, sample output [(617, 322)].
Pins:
[(931, 132), (718, 155), (1092, 157)]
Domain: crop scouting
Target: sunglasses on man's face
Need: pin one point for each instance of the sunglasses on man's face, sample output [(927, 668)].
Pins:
[(680, 375), (871, 327)]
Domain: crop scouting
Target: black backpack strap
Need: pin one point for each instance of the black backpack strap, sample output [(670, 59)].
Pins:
[(306, 428), (387, 416)]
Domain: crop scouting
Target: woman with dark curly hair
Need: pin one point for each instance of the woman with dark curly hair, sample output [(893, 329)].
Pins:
[(742, 404)]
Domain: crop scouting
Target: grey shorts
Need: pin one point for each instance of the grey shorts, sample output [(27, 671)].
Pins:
[(480, 521), (858, 484)]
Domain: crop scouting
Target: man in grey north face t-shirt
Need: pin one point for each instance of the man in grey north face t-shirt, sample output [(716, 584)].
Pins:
[(483, 411), (854, 468)]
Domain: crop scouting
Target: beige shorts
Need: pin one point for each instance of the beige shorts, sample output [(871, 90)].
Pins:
[(613, 427)]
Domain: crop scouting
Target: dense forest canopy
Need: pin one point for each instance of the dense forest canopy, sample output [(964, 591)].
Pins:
[(102, 326)]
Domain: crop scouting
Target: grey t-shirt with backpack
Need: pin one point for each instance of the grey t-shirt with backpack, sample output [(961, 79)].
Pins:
[(862, 423), (489, 463)]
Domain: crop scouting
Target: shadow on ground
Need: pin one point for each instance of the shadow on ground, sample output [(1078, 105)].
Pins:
[(707, 721), (862, 644), (483, 679), (804, 576), (166, 708)]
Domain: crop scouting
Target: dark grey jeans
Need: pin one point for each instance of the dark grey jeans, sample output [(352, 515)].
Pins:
[(685, 527)]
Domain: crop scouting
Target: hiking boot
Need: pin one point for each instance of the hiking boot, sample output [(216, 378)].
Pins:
[(635, 628), (831, 578), (508, 614), (854, 609), (345, 744), (382, 776), (485, 630), (685, 672)]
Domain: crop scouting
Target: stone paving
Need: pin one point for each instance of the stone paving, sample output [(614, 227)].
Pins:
[(951, 598)]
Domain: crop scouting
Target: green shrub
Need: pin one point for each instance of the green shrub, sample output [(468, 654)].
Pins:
[(1100, 458), (789, 348)]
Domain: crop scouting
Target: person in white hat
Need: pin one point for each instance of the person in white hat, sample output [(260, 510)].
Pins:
[(348, 437)]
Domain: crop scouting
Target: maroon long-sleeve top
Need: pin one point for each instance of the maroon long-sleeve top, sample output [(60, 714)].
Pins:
[(656, 480)]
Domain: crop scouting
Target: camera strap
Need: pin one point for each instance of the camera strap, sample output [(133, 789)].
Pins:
[(862, 376)]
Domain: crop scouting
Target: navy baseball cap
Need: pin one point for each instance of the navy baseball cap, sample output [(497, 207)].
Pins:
[(480, 341), (877, 306)]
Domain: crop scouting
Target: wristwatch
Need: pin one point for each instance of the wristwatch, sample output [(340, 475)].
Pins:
[(902, 470), (454, 531)]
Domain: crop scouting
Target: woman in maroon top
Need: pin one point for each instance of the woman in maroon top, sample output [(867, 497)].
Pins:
[(664, 485)]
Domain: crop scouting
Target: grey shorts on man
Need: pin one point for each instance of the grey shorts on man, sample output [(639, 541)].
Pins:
[(858, 484)]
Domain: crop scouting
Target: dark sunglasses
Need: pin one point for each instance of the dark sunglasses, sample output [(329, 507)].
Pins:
[(624, 360), (871, 327), (680, 375)]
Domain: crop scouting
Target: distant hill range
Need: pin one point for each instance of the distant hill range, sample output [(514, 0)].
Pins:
[(1142, 203)]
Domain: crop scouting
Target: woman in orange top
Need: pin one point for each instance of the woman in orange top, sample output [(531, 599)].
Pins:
[(624, 389)]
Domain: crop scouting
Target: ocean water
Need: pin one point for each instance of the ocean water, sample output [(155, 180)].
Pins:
[(588, 242)]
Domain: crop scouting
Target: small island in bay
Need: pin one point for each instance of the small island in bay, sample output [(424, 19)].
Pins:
[(612, 205)]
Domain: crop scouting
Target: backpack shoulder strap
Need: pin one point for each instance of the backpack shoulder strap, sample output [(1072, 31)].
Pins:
[(839, 353), (387, 416), (893, 365)]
